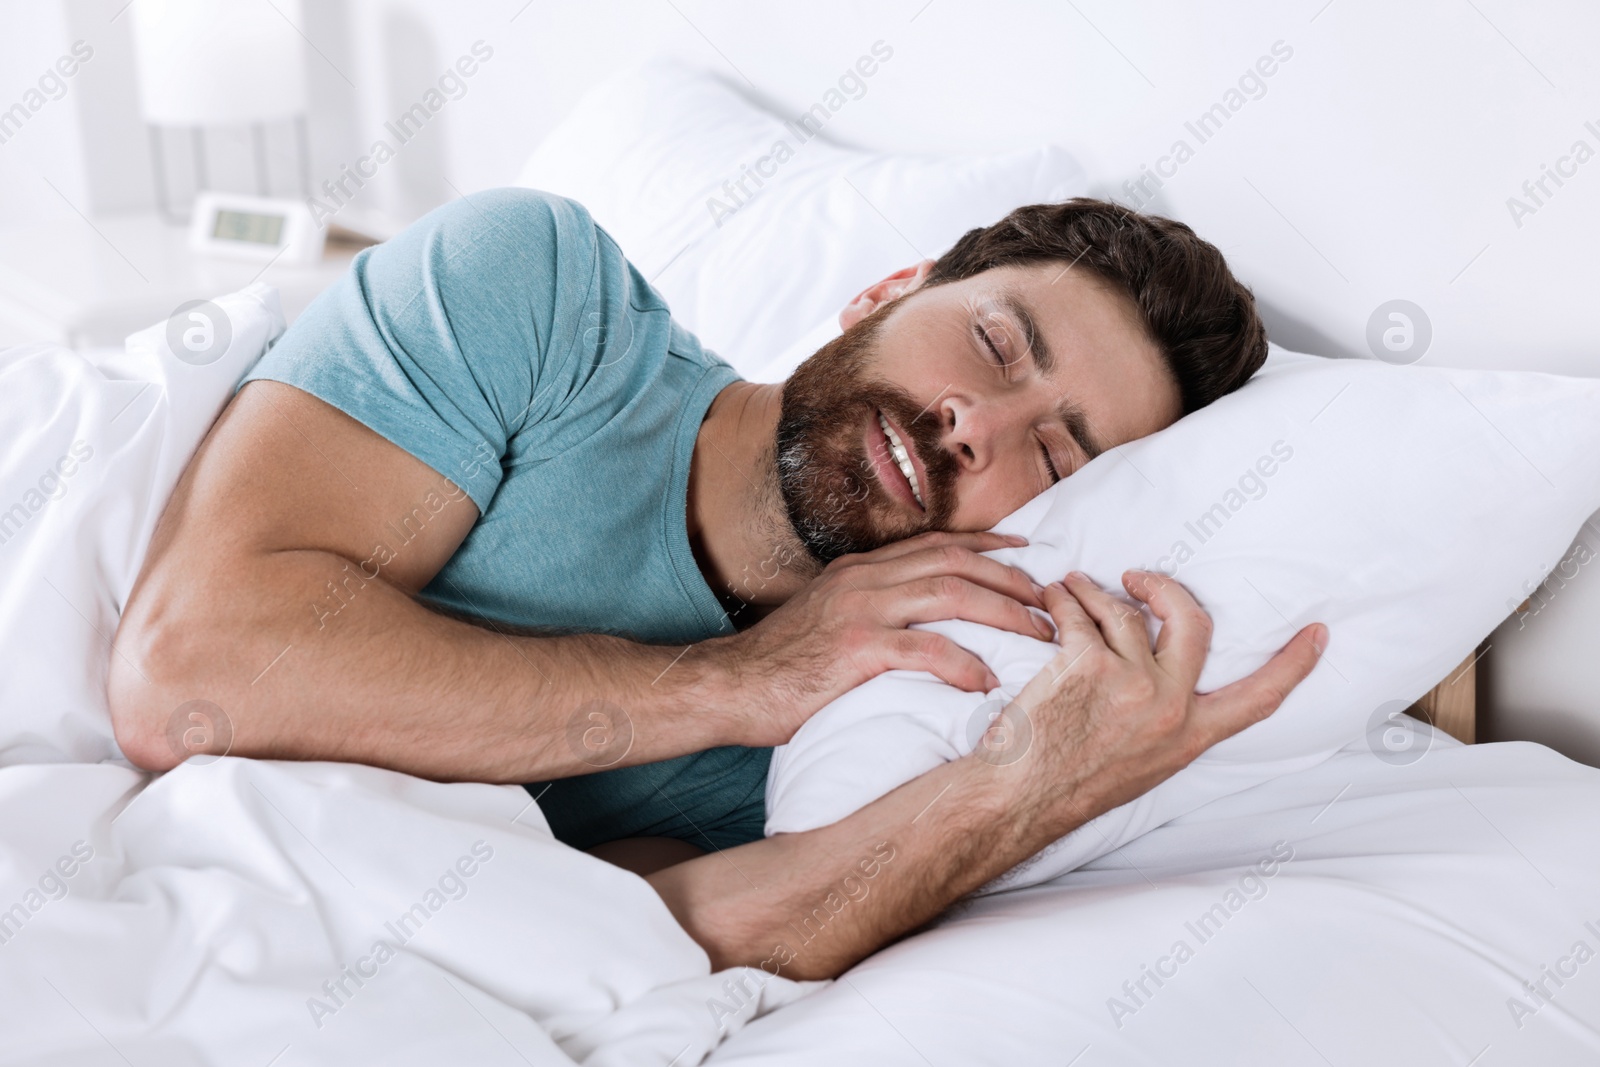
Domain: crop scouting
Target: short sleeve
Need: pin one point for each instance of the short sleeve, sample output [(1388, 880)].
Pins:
[(444, 339)]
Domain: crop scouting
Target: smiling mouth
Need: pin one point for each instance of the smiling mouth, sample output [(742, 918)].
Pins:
[(902, 458)]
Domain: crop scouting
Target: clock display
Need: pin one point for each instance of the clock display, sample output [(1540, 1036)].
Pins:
[(248, 226)]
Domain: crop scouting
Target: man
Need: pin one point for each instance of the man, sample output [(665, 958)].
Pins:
[(471, 517)]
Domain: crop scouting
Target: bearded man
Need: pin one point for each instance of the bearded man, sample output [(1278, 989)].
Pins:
[(485, 512)]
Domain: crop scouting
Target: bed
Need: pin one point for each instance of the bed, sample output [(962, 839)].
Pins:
[(1439, 910)]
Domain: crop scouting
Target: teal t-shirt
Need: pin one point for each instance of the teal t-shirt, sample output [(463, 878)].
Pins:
[(505, 341)]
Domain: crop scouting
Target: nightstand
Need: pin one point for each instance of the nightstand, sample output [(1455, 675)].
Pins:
[(90, 284)]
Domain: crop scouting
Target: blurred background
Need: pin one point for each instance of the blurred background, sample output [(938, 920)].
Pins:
[(1441, 152)]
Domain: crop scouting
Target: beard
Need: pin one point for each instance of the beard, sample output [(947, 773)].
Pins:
[(831, 491)]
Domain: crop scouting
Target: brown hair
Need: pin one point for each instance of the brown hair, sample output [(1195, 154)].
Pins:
[(1202, 318)]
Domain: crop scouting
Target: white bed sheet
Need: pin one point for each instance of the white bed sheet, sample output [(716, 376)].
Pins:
[(1418, 901)]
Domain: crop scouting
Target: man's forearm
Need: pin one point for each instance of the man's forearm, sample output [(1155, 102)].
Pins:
[(1104, 727), (809, 905), (386, 681)]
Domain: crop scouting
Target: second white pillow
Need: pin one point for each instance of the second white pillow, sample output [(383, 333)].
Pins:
[(663, 157)]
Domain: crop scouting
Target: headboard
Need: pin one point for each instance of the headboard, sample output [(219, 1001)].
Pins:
[(1452, 705)]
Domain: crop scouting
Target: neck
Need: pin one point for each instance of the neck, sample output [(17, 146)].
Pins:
[(737, 526)]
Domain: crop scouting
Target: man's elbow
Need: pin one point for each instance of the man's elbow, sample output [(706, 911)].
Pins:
[(135, 722), (143, 685)]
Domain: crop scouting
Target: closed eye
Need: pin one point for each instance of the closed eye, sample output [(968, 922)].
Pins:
[(987, 342), (1051, 467), (1000, 361)]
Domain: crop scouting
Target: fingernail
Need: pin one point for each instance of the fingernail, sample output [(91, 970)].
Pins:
[(1015, 539), (993, 682), (1038, 590), (1057, 585), (1045, 632), (1079, 575)]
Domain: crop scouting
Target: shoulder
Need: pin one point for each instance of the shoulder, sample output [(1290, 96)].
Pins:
[(496, 250), (525, 218)]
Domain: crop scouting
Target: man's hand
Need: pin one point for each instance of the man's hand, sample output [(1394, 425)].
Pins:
[(1110, 719), (1116, 718), (849, 625)]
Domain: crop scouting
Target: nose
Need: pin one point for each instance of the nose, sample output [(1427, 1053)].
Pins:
[(970, 431)]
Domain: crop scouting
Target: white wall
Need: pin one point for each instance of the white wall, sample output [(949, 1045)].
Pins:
[(1377, 164), (47, 149), (1543, 677)]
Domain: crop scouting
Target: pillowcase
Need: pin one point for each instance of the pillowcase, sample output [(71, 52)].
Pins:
[(1407, 508), (657, 155), (89, 453)]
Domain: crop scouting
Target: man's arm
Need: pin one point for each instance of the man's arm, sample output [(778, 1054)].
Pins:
[(276, 519), (1110, 719)]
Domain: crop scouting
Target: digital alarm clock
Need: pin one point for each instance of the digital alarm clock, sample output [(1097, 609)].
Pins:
[(255, 227)]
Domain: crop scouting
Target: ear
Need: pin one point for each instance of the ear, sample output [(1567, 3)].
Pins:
[(875, 296)]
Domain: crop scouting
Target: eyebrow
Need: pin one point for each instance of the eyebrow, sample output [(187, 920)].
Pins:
[(1070, 414), (1078, 426)]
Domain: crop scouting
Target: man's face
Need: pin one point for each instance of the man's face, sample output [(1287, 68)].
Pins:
[(993, 388)]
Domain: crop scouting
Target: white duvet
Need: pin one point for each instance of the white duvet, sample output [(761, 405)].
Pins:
[(254, 912), (257, 912), (1356, 913)]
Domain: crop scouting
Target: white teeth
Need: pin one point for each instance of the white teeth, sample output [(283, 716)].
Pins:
[(901, 457)]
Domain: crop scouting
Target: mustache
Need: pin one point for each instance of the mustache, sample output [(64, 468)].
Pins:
[(922, 435), (826, 473), (858, 478)]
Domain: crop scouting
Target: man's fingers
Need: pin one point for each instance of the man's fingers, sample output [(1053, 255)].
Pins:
[(960, 561), (972, 540), (1185, 635), (918, 650), (1122, 626), (1249, 700), (948, 597), (1075, 631)]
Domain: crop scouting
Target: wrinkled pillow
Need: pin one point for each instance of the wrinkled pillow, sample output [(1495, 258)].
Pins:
[(1406, 507)]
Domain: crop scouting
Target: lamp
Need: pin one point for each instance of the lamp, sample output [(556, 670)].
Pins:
[(217, 63)]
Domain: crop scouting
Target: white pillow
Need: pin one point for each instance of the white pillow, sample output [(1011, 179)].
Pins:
[(651, 151), (1406, 507), (89, 453), (801, 349)]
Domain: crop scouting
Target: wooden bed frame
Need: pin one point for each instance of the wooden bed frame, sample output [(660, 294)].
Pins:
[(1452, 705)]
